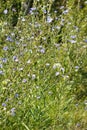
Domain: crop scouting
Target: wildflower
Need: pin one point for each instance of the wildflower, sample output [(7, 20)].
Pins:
[(49, 19), (72, 41), (4, 108), (56, 65), (47, 64), (4, 105), (57, 27), (85, 108), (19, 102), (44, 38), (44, 11), (73, 36), (5, 23), (12, 34), (1, 72), (13, 9), (76, 67), (31, 10), (49, 92), (4, 60), (37, 87), (55, 11), (5, 48), (20, 69), (61, 7), (28, 75), (1, 66), (5, 11), (15, 58), (17, 42), (23, 19), (24, 80), (38, 97), (57, 74), (77, 29), (85, 2), (16, 95), (85, 102), (85, 40), (28, 61), (33, 76), (42, 50), (78, 125), (65, 11), (9, 39), (76, 104), (66, 77), (13, 111)]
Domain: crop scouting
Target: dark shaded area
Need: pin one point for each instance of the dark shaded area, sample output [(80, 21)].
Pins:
[(81, 86), (57, 4), (79, 3), (16, 7), (29, 4)]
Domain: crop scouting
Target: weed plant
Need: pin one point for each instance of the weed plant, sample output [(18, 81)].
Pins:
[(43, 69)]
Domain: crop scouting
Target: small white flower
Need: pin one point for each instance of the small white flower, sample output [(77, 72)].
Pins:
[(24, 80), (1, 66), (30, 51), (65, 11), (61, 7), (14, 10), (29, 75), (5, 11), (15, 58), (20, 69), (85, 2), (57, 27), (47, 64), (49, 19), (1, 72), (73, 36), (23, 19), (28, 61), (42, 50), (13, 111), (5, 48), (33, 76), (72, 41), (12, 34), (4, 108), (56, 65), (37, 87), (85, 102), (38, 97), (57, 73), (5, 23), (76, 68)]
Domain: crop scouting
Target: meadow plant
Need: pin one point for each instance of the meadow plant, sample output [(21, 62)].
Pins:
[(43, 68)]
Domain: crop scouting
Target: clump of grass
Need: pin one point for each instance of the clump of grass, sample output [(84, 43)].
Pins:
[(43, 71)]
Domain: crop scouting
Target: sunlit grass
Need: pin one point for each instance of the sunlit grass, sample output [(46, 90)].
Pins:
[(43, 72)]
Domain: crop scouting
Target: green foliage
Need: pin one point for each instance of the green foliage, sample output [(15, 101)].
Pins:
[(43, 68)]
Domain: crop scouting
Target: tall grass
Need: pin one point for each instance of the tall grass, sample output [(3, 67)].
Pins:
[(43, 70)]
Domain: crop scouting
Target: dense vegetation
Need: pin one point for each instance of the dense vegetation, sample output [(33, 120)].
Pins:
[(43, 65)]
